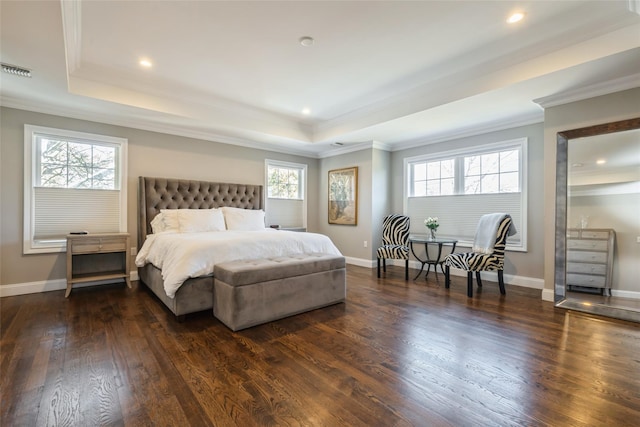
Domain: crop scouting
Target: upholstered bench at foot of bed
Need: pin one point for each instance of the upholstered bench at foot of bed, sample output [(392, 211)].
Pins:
[(252, 292)]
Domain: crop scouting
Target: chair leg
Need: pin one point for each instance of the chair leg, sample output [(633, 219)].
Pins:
[(478, 279), (384, 265), (469, 284), (406, 269), (378, 268), (501, 282), (447, 279)]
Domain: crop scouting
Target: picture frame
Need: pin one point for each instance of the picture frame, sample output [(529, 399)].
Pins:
[(343, 196)]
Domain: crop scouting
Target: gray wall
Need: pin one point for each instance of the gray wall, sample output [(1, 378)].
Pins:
[(150, 154), (602, 109), (528, 264)]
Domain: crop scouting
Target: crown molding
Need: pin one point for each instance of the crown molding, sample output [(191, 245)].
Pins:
[(586, 92), (524, 120), (41, 108), (359, 146)]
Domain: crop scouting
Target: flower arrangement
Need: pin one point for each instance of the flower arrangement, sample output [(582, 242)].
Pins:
[(432, 223)]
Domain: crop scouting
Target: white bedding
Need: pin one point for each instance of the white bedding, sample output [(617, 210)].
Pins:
[(184, 255)]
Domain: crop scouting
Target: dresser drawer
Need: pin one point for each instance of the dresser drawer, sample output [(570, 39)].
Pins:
[(590, 234), (91, 245), (573, 233), (586, 280), (587, 256), (576, 267), (596, 245)]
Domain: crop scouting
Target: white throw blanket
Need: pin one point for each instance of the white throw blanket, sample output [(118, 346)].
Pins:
[(487, 232), (184, 255)]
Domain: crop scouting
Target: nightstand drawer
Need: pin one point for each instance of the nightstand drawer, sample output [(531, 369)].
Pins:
[(91, 245)]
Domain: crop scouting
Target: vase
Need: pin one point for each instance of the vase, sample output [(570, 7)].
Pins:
[(433, 233)]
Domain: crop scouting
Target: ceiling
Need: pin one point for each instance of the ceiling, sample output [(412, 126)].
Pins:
[(391, 74)]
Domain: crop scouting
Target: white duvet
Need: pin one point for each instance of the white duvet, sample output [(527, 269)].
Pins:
[(184, 255)]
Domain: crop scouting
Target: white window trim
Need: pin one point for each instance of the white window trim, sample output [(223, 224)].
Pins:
[(521, 143), (31, 246), (279, 163)]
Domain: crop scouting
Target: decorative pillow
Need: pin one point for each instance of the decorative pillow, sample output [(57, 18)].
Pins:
[(243, 219), (194, 220), (166, 220)]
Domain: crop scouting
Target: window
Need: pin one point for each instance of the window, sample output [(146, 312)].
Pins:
[(284, 182), (434, 178), (460, 186), (492, 172), (73, 181), (286, 188)]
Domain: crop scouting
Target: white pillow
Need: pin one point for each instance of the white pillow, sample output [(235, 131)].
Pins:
[(243, 219), (194, 220), (166, 220)]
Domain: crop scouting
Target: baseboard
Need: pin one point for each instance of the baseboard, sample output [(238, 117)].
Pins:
[(52, 285), (625, 294), (360, 262), (548, 295), (509, 279)]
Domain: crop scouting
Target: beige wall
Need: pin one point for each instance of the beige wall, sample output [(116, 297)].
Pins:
[(574, 115), (380, 196), (150, 154), (524, 264), (348, 238), (380, 176)]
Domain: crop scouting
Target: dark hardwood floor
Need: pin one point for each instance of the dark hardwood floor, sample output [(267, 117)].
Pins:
[(396, 354)]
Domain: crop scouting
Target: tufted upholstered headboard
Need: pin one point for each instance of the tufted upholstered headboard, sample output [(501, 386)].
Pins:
[(165, 193)]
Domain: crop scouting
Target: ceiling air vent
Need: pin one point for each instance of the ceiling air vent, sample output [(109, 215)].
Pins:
[(16, 71)]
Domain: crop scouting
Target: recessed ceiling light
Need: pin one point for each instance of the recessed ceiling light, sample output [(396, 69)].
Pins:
[(306, 111), (577, 165), (601, 161), (145, 63), (515, 17), (306, 41)]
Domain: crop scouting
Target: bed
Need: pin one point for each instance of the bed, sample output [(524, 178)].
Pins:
[(191, 291)]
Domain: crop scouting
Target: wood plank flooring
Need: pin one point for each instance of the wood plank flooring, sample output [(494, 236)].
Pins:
[(395, 354)]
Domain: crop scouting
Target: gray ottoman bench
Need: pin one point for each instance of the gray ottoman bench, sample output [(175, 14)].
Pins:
[(248, 293)]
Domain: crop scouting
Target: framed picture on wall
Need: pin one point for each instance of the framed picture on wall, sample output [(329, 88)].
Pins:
[(343, 196)]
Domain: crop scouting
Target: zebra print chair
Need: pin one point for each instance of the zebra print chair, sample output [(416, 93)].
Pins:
[(484, 256), (395, 242)]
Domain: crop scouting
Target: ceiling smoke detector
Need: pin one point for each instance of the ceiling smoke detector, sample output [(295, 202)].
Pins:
[(16, 71), (306, 41)]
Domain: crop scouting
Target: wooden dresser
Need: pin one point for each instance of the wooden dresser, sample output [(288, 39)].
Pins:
[(590, 258)]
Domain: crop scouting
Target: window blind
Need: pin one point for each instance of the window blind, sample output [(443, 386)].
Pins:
[(285, 212), (59, 211), (459, 215)]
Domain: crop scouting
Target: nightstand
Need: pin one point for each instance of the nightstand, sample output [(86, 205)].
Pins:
[(92, 257)]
